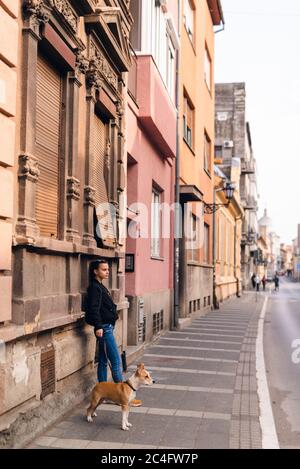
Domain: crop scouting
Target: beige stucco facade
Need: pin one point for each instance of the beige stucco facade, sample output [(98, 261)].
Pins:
[(229, 221)]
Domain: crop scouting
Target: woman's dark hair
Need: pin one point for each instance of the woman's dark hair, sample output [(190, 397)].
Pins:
[(94, 266)]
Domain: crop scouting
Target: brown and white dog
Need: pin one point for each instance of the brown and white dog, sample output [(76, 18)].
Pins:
[(120, 393)]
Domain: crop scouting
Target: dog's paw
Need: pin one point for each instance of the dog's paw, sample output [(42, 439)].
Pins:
[(89, 418), (129, 424), (125, 428), (94, 414)]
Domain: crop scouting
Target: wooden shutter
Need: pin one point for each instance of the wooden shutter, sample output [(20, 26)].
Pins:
[(48, 109), (105, 218)]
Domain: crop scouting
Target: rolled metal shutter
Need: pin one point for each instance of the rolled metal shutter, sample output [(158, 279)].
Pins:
[(48, 111), (105, 217)]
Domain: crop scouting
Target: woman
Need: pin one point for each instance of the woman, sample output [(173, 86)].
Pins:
[(103, 315)]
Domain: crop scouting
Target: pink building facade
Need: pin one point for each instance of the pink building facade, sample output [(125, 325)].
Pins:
[(151, 151)]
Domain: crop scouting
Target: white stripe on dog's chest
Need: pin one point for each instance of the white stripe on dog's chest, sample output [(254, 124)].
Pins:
[(132, 396)]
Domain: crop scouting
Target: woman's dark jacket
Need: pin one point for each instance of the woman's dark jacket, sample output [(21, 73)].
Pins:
[(101, 308)]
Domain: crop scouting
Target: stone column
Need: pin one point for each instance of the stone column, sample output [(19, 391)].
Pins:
[(89, 191), (73, 184), (35, 15)]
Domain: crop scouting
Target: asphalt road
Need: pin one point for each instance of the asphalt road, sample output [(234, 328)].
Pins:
[(282, 356)]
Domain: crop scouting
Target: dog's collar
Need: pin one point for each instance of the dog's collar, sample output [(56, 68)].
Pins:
[(130, 385)]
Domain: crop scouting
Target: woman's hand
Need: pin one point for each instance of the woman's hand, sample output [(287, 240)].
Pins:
[(99, 333)]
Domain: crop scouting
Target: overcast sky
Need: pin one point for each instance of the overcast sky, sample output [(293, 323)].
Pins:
[(260, 46)]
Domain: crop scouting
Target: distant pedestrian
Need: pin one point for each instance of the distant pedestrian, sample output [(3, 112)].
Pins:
[(276, 282), (264, 281), (253, 281), (257, 280)]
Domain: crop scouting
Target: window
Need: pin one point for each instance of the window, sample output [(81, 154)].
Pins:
[(218, 152), (156, 30), (158, 322), (158, 39), (155, 223), (229, 238), (104, 216), (206, 244), (170, 67), (207, 69), (222, 238), (188, 122), (135, 32), (189, 19), (194, 237), (47, 146), (207, 153)]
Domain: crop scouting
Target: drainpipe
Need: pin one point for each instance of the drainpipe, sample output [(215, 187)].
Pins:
[(177, 212)]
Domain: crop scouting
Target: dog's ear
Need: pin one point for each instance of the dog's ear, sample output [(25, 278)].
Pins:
[(139, 369)]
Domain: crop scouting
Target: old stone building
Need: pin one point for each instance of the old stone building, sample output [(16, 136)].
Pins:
[(233, 141), (64, 73)]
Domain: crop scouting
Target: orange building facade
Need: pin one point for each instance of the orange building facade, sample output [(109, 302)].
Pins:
[(196, 137)]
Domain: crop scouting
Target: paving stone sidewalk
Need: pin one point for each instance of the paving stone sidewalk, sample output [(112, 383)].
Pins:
[(205, 394)]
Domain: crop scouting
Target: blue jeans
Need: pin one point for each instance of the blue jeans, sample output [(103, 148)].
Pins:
[(108, 351)]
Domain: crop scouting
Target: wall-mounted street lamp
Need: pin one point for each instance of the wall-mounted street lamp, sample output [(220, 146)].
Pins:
[(228, 190)]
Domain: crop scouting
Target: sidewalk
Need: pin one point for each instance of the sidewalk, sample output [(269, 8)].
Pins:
[(205, 394)]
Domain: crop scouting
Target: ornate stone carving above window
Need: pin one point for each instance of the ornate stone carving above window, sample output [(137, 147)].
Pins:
[(65, 9), (36, 12), (99, 70), (108, 23), (82, 64)]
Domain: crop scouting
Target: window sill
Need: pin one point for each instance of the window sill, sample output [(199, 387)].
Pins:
[(157, 258), (188, 145), (67, 247), (200, 264)]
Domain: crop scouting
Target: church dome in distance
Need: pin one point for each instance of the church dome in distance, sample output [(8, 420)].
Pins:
[(265, 220)]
